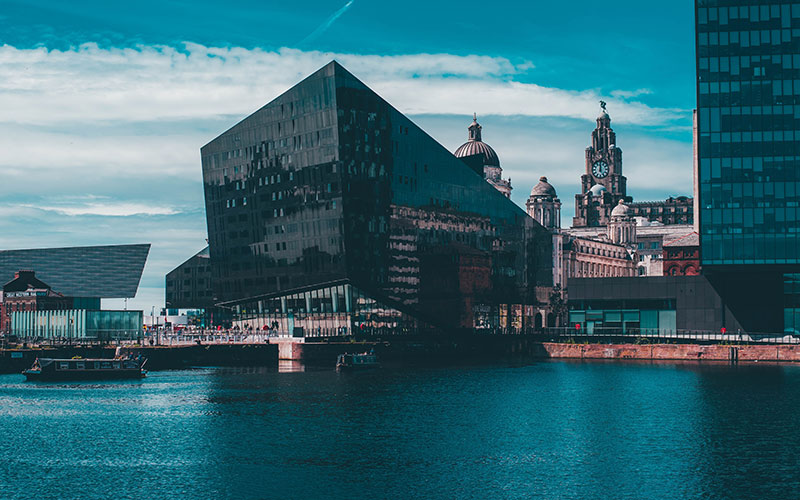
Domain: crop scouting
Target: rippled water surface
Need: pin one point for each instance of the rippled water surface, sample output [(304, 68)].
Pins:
[(543, 430)]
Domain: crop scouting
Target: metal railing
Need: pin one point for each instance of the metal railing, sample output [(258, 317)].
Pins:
[(549, 334), (644, 335)]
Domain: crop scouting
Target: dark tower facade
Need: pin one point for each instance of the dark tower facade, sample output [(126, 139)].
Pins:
[(748, 147), (602, 185), (329, 211)]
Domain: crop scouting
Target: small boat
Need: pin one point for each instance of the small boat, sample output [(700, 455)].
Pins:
[(86, 369), (357, 361)]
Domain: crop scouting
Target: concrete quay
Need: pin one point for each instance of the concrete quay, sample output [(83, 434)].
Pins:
[(405, 351)]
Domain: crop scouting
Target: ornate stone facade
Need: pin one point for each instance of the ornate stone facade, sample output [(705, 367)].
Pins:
[(679, 210), (545, 207), (602, 185), (587, 258)]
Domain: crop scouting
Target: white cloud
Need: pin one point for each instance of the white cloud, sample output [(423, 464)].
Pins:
[(109, 209), (630, 94), (88, 83)]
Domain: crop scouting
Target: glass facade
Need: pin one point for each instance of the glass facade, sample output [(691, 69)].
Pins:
[(748, 107), (329, 183), (336, 310), (791, 303), (630, 316), (78, 324)]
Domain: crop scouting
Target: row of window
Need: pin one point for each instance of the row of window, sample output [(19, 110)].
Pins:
[(752, 220), (745, 39), (756, 191), (783, 13)]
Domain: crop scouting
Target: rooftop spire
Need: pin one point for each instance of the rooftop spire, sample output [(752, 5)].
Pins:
[(474, 129)]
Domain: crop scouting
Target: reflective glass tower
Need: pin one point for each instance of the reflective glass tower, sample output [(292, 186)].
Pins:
[(329, 210), (748, 111)]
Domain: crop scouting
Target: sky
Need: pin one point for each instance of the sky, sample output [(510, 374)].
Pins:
[(104, 105)]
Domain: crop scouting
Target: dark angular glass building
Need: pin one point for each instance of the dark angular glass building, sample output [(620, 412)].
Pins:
[(188, 286), (748, 125), (328, 210)]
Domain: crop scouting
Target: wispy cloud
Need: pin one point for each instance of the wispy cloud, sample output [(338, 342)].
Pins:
[(89, 84), (108, 209), (630, 94), (322, 28)]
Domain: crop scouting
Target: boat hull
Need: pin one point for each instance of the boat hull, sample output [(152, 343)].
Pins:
[(33, 375), (85, 369), (357, 368)]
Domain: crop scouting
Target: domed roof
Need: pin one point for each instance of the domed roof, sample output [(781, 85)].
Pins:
[(621, 210), (544, 188), (479, 147), (475, 146), (597, 190)]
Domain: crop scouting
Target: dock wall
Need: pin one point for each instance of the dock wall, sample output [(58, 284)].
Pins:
[(440, 351)]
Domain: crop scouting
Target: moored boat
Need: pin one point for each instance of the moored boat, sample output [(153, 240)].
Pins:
[(86, 369), (357, 361)]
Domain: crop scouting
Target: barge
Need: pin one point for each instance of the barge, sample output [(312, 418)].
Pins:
[(86, 369)]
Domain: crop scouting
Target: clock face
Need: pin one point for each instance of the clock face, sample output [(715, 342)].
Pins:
[(600, 169)]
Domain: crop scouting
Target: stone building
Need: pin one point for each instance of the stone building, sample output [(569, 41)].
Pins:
[(482, 158), (545, 207), (595, 258), (600, 256), (648, 246), (603, 186), (677, 210)]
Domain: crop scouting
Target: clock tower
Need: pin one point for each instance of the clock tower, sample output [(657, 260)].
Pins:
[(603, 185)]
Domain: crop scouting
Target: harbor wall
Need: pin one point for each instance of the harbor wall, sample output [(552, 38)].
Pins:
[(440, 351), (677, 352), (174, 357)]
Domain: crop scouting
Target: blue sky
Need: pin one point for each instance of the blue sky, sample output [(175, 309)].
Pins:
[(105, 105)]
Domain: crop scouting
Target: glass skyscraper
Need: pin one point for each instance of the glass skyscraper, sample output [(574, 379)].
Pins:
[(748, 112)]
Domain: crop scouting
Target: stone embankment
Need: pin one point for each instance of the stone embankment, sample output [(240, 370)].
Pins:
[(673, 352)]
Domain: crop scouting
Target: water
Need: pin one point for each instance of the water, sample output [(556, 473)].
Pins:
[(542, 430)]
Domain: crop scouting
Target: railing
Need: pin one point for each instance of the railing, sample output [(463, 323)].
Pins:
[(644, 335), (550, 334)]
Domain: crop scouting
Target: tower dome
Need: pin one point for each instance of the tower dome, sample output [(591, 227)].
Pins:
[(621, 210), (475, 149), (544, 189), (597, 190), (476, 146)]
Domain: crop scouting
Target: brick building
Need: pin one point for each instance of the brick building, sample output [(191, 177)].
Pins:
[(27, 293), (682, 256)]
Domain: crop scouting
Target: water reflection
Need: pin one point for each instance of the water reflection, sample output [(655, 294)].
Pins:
[(290, 366)]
